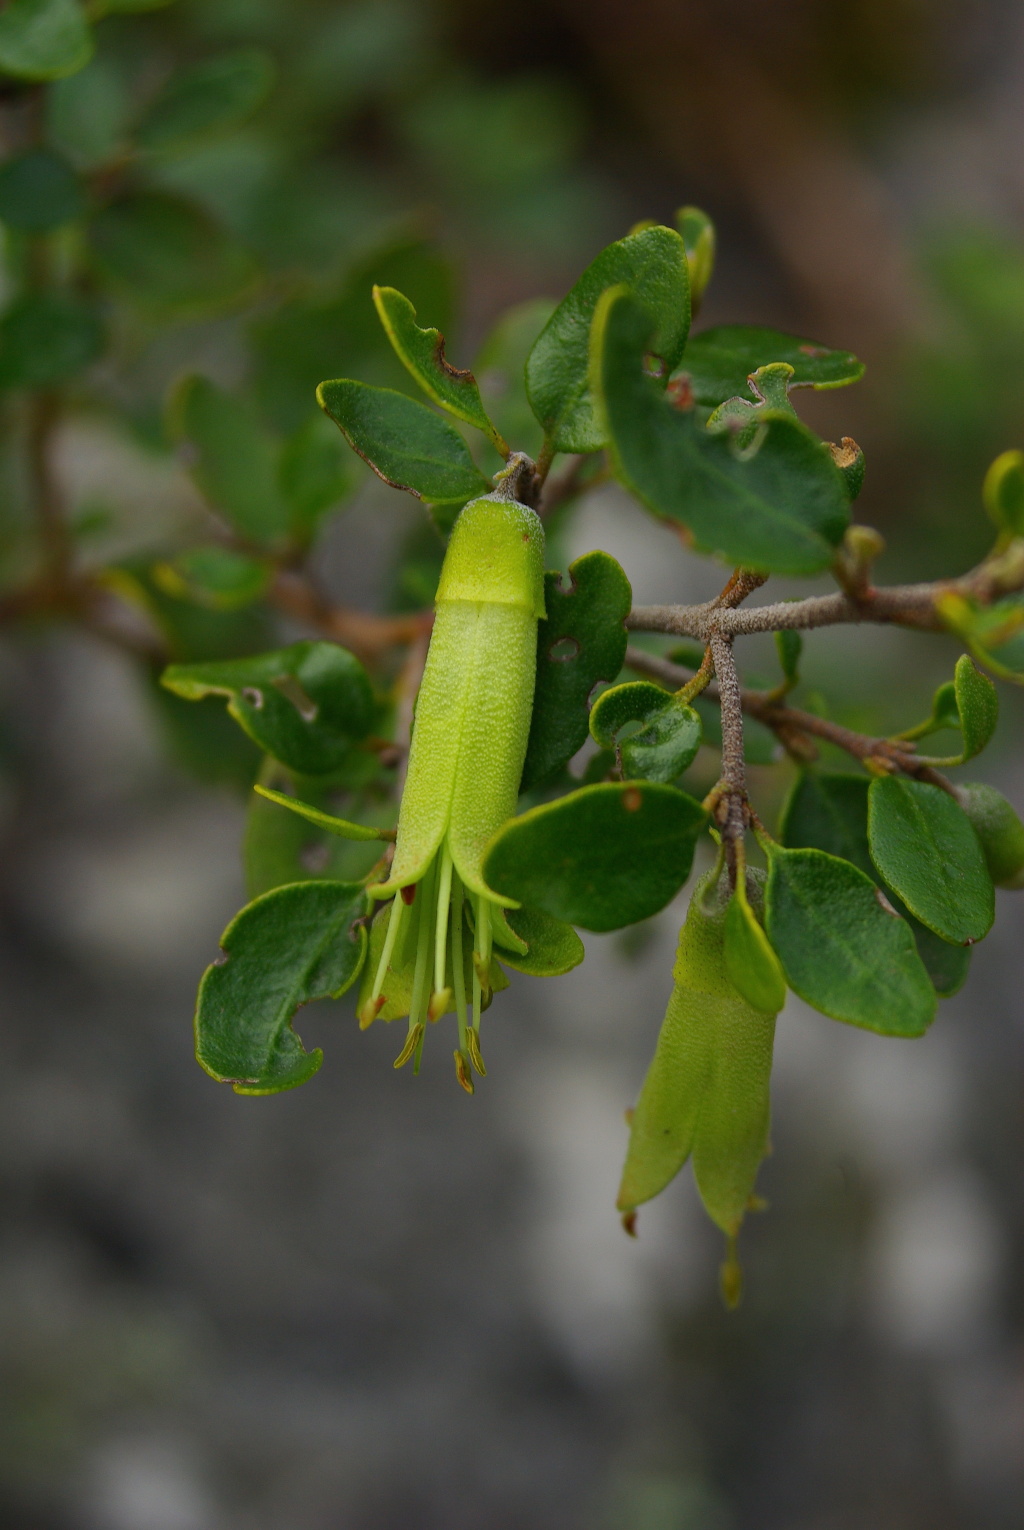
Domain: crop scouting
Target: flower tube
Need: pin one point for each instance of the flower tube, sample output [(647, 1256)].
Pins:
[(469, 737)]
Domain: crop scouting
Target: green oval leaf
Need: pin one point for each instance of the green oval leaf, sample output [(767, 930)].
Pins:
[(707, 1089), (780, 505), (232, 457), (166, 253), (207, 98), (47, 338), (305, 705), (830, 813), (719, 361), (653, 265), (581, 641), (927, 851), (39, 191), (752, 966), (978, 704), (602, 857), (421, 352), (291, 946), (841, 949), (999, 830), (669, 735), (44, 39), (405, 443)]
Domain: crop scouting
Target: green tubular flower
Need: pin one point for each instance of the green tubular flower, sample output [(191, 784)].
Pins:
[(469, 740)]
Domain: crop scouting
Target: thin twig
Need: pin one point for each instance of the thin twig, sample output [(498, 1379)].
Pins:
[(907, 605), (732, 813), (790, 723)]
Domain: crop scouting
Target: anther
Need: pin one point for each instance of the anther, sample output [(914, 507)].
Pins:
[(629, 1222), (412, 1041), (462, 1073), (473, 1048), (370, 1010), (440, 1002), (409, 893)]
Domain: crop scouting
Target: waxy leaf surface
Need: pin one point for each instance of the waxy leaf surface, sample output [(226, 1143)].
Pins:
[(405, 443), (926, 849), (842, 951), (653, 265), (602, 857), (581, 641), (719, 361), (779, 506), (291, 946)]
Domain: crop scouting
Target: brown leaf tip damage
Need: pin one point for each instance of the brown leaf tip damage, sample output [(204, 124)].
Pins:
[(462, 374)]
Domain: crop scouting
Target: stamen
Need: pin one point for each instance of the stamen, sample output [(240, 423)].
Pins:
[(411, 1042), (458, 970), (424, 941), (398, 907), (481, 960), (463, 1074), (444, 892), (473, 1048)]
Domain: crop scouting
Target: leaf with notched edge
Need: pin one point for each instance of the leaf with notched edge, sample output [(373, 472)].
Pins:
[(422, 352), (405, 443), (779, 506), (669, 732), (293, 945), (719, 361), (305, 705)]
